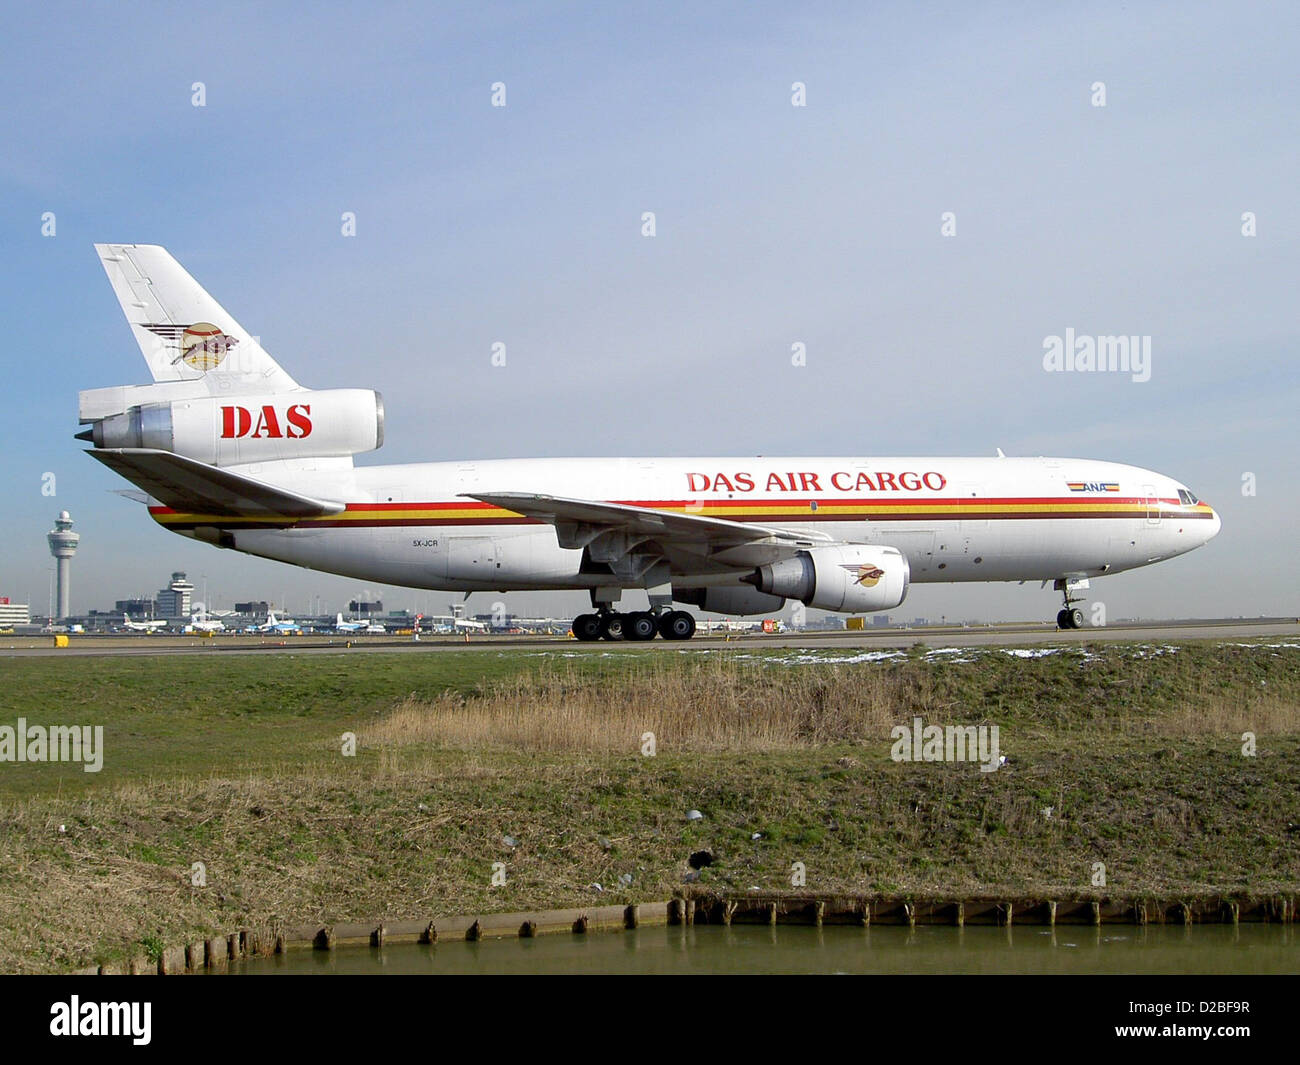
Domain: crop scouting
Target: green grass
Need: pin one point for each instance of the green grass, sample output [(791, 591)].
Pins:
[(211, 714), (233, 761)]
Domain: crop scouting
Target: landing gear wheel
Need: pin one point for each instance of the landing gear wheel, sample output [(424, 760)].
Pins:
[(1076, 619), (640, 626), (613, 626), (677, 625), (586, 627), (1069, 618), (1063, 619)]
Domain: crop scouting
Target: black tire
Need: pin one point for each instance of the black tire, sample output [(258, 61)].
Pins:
[(1064, 620), (640, 626), (613, 626), (677, 625), (586, 627), (1076, 619)]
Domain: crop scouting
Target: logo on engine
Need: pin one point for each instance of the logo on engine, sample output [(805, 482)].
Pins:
[(202, 345), (867, 576)]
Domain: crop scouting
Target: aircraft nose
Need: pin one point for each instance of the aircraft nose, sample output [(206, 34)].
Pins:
[(1216, 523)]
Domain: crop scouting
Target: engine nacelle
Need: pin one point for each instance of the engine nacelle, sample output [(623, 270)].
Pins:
[(850, 578), (739, 601), (230, 430)]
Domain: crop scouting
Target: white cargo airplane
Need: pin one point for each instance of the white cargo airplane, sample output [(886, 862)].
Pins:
[(203, 622), (142, 626), (230, 450), (372, 628)]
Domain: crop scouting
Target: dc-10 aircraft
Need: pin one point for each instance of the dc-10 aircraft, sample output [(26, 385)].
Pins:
[(228, 449)]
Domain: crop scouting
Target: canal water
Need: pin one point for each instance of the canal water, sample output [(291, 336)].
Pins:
[(1248, 948)]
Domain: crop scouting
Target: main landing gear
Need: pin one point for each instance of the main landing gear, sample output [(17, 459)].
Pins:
[(1071, 617), (637, 626)]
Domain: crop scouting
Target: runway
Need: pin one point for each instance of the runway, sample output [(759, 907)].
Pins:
[(1222, 630)]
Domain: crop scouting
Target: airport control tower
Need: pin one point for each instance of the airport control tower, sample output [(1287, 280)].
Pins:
[(63, 545)]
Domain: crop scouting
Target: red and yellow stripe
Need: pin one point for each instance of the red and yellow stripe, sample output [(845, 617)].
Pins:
[(452, 513)]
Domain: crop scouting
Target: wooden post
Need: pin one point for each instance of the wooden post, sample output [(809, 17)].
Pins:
[(728, 911), (215, 953), (961, 915), (1005, 913), (677, 911), (194, 956), (909, 908), (771, 913), (690, 911), (377, 936), (632, 916), (1096, 913), (864, 918), (1051, 912), (819, 912)]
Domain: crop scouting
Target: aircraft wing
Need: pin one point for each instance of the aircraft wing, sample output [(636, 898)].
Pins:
[(621, 527), (195, 487)]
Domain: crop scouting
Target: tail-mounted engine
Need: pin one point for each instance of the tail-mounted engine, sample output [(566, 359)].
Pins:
[(234, 429)]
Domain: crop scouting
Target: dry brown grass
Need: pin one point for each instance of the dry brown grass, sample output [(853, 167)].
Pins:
[(728, 705), (719, 706)]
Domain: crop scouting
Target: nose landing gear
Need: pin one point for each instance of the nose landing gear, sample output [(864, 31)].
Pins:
[(1071, 617)]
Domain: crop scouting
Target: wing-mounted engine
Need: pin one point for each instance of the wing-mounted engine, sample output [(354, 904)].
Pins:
[(851, 578), (233, 429)]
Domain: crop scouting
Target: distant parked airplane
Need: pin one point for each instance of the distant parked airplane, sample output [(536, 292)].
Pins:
[(371, 627), (142, 626), (205, 623), (276, 625)]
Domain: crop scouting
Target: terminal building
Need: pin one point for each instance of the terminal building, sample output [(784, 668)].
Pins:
[(12, 614)]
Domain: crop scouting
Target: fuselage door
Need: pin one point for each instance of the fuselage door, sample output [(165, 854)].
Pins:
[(1151, 503), (974, 514), (472, 558)]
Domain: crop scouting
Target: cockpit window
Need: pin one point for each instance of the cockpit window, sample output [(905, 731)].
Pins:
[(1187, 498)]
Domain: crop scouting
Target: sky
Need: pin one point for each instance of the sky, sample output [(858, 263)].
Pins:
[(821, 225)]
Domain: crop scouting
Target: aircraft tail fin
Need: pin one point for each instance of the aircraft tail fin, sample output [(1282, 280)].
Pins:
[(183, 333)]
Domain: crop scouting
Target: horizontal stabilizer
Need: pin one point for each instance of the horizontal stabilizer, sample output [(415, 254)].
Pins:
[(194, 487)]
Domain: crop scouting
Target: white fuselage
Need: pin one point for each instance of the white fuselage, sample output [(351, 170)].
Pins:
[(956, 519)]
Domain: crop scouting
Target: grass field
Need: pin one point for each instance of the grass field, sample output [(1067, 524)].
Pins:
[(1131, 756)]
